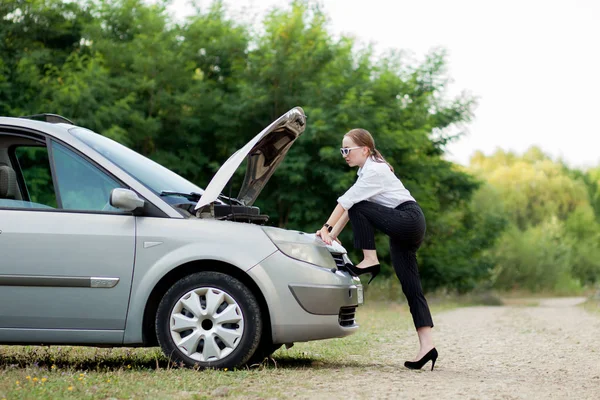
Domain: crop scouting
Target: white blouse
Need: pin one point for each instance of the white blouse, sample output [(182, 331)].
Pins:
[(376, 183)]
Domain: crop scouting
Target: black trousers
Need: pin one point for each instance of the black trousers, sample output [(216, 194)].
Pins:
[(405, 226)]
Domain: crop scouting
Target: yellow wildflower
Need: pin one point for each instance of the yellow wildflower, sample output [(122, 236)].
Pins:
[(44, 379), (35, 379), (70, 388), (28, 377), (18, 382)]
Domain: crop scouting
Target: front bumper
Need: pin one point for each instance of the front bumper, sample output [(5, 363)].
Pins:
[(324, 299), (307, 302)]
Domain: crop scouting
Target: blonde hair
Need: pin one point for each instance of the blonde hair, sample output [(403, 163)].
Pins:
[(362, 137)]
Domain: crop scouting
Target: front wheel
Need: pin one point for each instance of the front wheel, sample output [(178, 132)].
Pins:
[(209, 319)]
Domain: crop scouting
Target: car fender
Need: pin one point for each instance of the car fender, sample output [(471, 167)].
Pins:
[(244, 249)]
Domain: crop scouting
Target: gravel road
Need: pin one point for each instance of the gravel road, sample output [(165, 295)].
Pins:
[(547, 351)]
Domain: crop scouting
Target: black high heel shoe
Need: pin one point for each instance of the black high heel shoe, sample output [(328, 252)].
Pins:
[(373, 270), (431, 355)]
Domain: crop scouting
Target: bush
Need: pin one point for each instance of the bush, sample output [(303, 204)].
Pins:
[(584, 237), (537, 259)]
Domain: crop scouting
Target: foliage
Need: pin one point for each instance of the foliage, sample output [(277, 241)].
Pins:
[(189, 94), (536, 259), (552, 242)]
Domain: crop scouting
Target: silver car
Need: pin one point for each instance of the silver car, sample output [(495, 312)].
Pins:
[(101, 246)]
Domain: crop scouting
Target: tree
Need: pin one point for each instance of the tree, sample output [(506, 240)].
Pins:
[(552, 241), (188, 95), (35, 35)]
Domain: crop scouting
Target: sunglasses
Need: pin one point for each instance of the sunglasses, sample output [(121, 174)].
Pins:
[(346, 150)]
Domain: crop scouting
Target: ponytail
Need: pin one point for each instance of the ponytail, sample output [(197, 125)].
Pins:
[(379, 158)]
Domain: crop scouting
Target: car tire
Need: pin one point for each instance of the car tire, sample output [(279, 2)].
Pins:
[(263, 351), (209, 319)]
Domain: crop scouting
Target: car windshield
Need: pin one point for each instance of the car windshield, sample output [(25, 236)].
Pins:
[(151, 174)]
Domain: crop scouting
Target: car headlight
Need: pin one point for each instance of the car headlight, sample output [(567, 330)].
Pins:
[(297, 245)]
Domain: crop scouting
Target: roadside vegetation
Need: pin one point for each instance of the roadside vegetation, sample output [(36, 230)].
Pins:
[(189, 93)]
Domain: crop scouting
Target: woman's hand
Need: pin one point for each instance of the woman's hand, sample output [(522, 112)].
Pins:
[(323, 233), (325, 236)]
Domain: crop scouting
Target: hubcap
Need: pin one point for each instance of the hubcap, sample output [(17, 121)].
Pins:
[(206, 324)]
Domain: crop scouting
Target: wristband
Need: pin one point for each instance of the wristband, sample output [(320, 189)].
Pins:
[(329, 227)]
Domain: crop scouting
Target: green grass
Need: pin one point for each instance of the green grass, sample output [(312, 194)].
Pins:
[(65, 372), (32, 372)]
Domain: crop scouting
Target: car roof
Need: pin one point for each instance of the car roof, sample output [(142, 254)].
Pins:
[(58, 130)]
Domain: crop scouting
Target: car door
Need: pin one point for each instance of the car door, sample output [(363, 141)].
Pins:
[(66, 255)]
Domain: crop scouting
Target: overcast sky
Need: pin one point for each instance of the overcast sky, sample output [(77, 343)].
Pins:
[(534, 64)]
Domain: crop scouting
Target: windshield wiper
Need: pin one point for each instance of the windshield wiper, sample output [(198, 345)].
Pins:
[(192, 196)]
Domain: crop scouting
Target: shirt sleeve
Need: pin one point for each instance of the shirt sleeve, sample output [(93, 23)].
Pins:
[(368, 185)]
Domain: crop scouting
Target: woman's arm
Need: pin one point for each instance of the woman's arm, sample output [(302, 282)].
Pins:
[(339, 226), (368, 184), (335, 216), (337, 220)]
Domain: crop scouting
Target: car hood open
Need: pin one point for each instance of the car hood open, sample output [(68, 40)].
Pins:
[(264, 152)]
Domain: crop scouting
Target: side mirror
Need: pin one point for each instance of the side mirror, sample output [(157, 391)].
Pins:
[(125, 199)]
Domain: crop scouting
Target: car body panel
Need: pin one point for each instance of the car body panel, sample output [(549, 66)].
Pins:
[(264, 153), (290, 321), (320, 299), (165, 244), (68, 245), (91, 337)]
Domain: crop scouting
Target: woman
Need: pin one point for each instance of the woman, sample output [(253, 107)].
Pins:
[(378, 200)]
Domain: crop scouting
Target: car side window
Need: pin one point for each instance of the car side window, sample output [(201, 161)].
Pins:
[(81, 185), (34, 166)]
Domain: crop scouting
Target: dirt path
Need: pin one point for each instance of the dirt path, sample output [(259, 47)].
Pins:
[(549, 351)]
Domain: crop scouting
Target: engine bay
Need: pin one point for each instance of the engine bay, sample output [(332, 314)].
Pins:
[(226, 212)]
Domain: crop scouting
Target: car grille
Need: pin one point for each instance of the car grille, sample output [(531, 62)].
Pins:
[(339, 260), (346, 317)]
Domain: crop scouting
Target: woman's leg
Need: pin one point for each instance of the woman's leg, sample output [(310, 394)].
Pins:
[(425, 341), (369, 258), (405, 264), (365, 217), (364, 236), (406, 230)]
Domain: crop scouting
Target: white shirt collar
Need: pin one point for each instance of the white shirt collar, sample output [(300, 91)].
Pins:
[(365, 165)]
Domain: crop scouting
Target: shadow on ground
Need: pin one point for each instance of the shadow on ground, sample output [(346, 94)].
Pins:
[(132, 360)]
